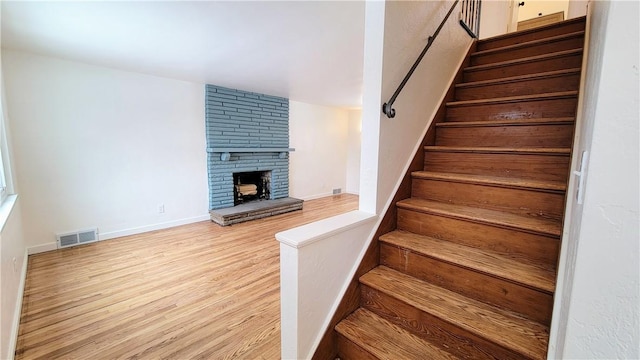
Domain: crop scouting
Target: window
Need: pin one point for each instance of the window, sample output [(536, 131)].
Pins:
[(7, 199), (3, 159), (3, 179)]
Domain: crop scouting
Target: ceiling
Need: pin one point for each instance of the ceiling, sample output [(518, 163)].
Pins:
[(309, 51)]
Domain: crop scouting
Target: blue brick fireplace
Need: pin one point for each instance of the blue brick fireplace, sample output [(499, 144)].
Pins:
[(246, 133)]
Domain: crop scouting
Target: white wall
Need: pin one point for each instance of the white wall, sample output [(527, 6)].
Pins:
[(13, 270), (407, 27), (577, 8), (494, 17), (101, 147), (319, 135), (599, 317), (13, 250), (374, 28), (13, 254), (354, 142)]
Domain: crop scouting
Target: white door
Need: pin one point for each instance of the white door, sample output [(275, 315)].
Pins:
[(514, 9)]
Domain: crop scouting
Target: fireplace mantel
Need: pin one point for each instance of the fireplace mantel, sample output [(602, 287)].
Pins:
[(225, 153)]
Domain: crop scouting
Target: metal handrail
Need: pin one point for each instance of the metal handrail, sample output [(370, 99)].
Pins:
[(387, 108)]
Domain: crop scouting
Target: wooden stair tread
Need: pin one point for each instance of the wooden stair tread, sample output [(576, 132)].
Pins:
[(520, 272), (529, 43), (500, 150), (512, 79), (536, 225), (532, 30), (552, 55), (523, 336), (511, 99), (508, 122), (385, 340), (499, 181)]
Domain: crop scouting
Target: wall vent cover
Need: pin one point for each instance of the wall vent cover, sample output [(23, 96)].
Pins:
[(77, 238)]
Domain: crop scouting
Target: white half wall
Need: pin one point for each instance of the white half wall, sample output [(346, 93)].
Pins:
[(329, 246), (98, 147), (319, 135)]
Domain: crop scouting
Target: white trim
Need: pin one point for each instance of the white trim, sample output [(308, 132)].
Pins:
[(308, 234), (37, 249), (313, 197), (5, 209), (323, 195), (13, 338), (152, 227), (126, 232)]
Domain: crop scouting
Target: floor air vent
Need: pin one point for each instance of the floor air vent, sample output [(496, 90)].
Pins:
[(77, 238)]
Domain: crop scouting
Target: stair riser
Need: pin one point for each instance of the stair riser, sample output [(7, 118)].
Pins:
[(349, 350), (527, 166), (530, 36), (570, 82), (533, 304), (525, 202), (512, 243), (536, 136), (558, 107), (452, 338), (575, 42), (570, 61)]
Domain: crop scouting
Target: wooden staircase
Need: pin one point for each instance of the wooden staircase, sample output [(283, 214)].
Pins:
[(470, 270)]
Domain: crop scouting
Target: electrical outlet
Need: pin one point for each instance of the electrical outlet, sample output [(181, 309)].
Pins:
[(161, 209), (15, 264)]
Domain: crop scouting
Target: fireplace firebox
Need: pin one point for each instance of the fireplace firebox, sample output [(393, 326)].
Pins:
[(251, 186)]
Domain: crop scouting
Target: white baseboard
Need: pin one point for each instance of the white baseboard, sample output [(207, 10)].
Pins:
[(41, 248), (126, 232), (152, 227), (13, 340), (318, 196)]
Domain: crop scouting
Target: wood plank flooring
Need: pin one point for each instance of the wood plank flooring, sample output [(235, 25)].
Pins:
[(194, 291)]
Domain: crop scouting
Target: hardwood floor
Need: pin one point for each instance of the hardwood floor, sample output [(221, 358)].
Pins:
[(194, 291)]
